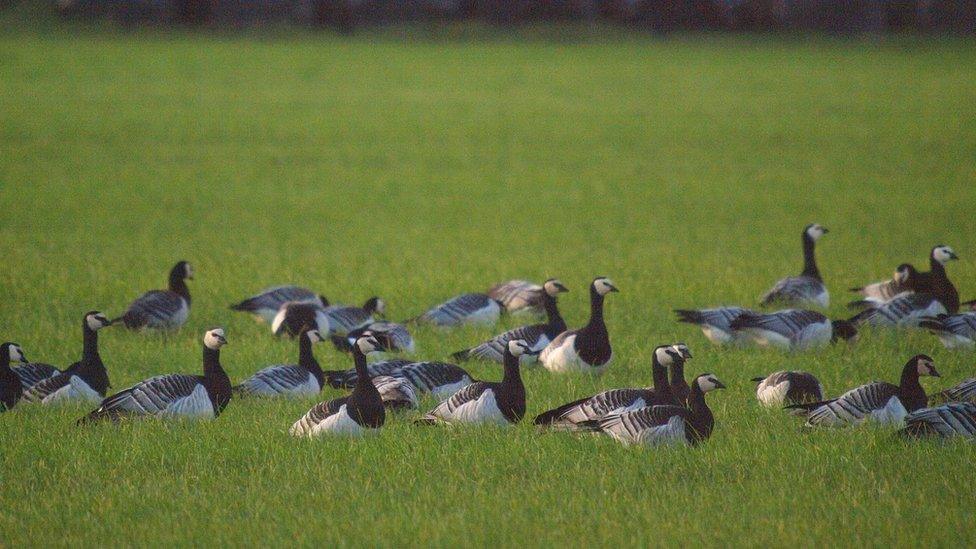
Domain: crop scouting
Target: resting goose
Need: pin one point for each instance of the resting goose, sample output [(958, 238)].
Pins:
[(878, 401), (438, 378), (487, 402), (11, 388), (586, 349), (397, 393), (936, 282), (955, 331), (86, 379), (808, 288), (295, 316), (518, 296), (344, 319), (665, 425), (174, 395), (956, 419), (964, 391), (575, 415), (463, 309), (904, 280), (787, 387), (162, 309), (266, 304), (904, 311), (716, 323), (304, 378), (792, 329), (393, 337), (537, 336), (354, 414)]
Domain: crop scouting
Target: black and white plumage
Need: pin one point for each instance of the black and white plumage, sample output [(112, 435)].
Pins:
[(162, 309), (360, 411), (715, 323), (86, 379), (295, 317), (518, 296), (878, 401), (441, 379), (304, 378), (575, 415), (665, 425), (905, 311), (955, 331), (11, 388), (792, 329), (787, 387), (936, 282), (955, 419), (463, 309), (904, 280), (33, 373), (537, 336), (397, 393), (807, 289), (587, 349), (344, 319), (679, 386), (174, 395), (393, 338), (487, 402), (266, 304), (964, 391)]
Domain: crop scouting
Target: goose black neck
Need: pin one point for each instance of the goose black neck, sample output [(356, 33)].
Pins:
[(362, 372), (178, 285), (5, 360), (596, 307), (699, 409), (809, 258), (211, 362), (512, 373), (910, 391), (90, 338), (936, 266), (677, 372), (556, 322), (306, 359)]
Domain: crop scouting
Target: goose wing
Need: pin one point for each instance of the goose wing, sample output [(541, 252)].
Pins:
[(278, 379), (651, 425), (854, 405), (154, 307), (273, 298), (457, 310), (948, 420), (316, 415), (577, 414), (789, 323), (516, 295), (346, 379), (493, 350), (795, 288), (47, 387), (450, 408), (964, 391), (720, 317), (34, 372), (908, 309), (962, 324), (397, 393), (342, 320), (436, 377), (165, 395)]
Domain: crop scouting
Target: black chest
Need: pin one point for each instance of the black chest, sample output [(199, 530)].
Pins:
[(593, 345), (10, 389), (365, 407), (511, 402)]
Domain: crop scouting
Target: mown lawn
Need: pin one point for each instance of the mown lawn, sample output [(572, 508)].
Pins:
[(367, 165)]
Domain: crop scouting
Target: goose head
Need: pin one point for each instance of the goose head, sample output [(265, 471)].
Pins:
[(375, 305), (667, 355), (554, 287), (518, 347), (181, 271), (843, 329), (924, 365), (683, 350), (943, 254), (603, 286), (367, 343), (708, 382), (214, 339), (814, 231), (96, 320), (13, 352), (904, 273), (314, 336)]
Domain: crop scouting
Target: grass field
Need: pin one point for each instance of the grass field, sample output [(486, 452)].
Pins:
[(684, 169)]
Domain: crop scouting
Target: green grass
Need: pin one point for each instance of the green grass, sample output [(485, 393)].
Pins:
[(683, 169)]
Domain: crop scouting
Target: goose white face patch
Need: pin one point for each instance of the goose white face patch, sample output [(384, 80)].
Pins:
[(943, 254), (552, 287), (214, 339), (16, 355), (816, 231), (380, 307), (367, 344), (187, 271), (96, 321), (663, 357), (925, 367), (709, 383), (603, 286), (517, 347)]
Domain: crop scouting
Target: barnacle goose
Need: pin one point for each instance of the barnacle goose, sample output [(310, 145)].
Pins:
[(349, 415), (808, 288), (788, 387), (86, 379), (955, 331), (397, 393), (162, 309), (878, 401), (463, 309), (393, 337), (343, 319), (956, 419), (266, 304), (936, 282), (964, 391), (586, 349), (487, 402), (664, 425), (304, 378), (518, 296), (574, 415), (905, 311), (537, 336), (679, 387), (32, 373), (11, 389), (174, 395), (904, 280), (295, 316), (792, 329), (716, 323), (438, 378)]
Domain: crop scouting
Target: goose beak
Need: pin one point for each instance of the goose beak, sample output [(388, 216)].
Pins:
[(933, 372), (952, 255), (614, 289), (561, 288), (719, 385)]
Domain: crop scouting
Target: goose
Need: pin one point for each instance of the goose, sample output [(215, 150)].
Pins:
[(174, 395), (518, 296), (393, 337), (463, 309), (344, 319), (575, 415), (905, 311), (162, 309), (86, 379), (487, 402), (964, 391), (904, 280), (586, 349), (32, 373), (716, 323), (536, 335), (955, 331), (360, 411), (679, 387), (879, 401), (438, 378), (664, 425), (11, 389), (808, 288), (936, 282), (955, 419), (397, 393), (304, 378), (266, 303), (295, 316), (787, 387), (793, 329)]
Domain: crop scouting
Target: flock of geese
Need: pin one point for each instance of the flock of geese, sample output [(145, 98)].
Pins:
[(670, 411)]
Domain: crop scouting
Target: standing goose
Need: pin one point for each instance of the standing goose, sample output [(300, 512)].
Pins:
[(879, 401), (295, 316), (904, 280), (586, 349), (162, 309), (397, 393), (956, 419), (904, 311), (808, 288), (575, 415), (955, 331), (665, 425), (537, 336), (304, 378), (793, 329), (463, 309), (86, 379), (393, 337), (174, 395), (786, 387), (487, 402), (964, 391), (354, 414), (266, 304), (438, 378), (716, 323), (679, 387), (11, 388), (343, 319), (518, 296)]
